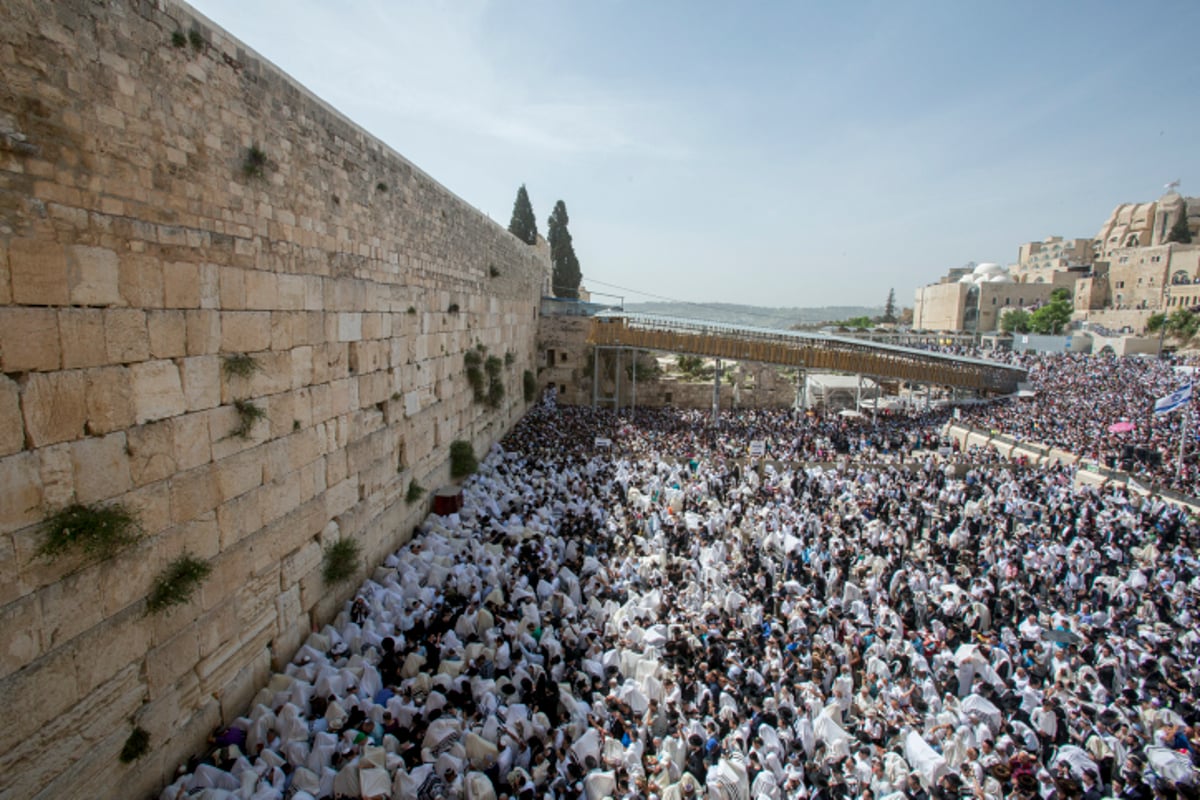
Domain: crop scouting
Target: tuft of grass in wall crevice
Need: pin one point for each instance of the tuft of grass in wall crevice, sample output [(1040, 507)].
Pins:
[(248, 414), (176, 584), (95, 529), (414, 493), (137, 744), (340, 560), (255, 162), (462, 459), (239, 365)]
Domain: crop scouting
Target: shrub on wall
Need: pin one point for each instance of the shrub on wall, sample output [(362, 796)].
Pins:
[(340, 561), (462, 459), (239, 365), (136, 745), (95, 529), (530, 386), (248, 414), (177, 583), (415, 490)]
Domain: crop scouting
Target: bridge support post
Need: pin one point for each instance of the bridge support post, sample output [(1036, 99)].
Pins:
[(633, 399), (717, 393)]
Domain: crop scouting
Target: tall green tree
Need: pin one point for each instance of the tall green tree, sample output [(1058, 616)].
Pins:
[(567, 274), (1015, 321), (1179, 231), (889, 309), (1053, 317), (524, 224)]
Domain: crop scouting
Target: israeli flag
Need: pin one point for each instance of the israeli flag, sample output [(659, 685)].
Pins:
[(1177, 398)]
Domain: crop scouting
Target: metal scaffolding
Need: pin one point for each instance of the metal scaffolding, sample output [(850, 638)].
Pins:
[(809, 351)]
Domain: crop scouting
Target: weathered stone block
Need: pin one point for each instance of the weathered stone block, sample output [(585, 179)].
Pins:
[(203, 332), (262, 290), (157, 390), (181, 285), (126, 338), (176, 657), (152, 452), (110, 405), (70, 606), (245, 331), (233, 288), (22, 623), (54, 407), (238, 474), (201, 382), (168, 334), (141, 280), (93, 276), (101, 468), (5, 277), (38, 271), (12, 426), (82, 334), (191, 440), (193, 493), (29, 340)]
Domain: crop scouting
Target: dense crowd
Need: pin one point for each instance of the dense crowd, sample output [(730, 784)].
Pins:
[(662, 619), (1078, 398)]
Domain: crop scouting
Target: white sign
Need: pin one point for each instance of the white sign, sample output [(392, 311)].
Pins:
[(758, 448), (603, 442)]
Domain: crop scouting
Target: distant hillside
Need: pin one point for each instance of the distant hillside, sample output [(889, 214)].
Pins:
[(760, 316)]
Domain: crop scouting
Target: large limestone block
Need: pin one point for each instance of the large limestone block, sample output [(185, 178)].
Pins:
[(21, 488), (93, 276), (141, 280), (12, 427), (201, 382), (101, 468), (158, 392), (203, 332), (168, 334), (245, 331), (151, 452), (38, 271), (109, 399), (181, 285), (82, 333), (29, 340), (126, 337), (192, 438), (53, 406), (193, 493)]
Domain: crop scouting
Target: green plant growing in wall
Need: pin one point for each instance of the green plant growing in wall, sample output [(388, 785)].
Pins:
[(509, 358), (473, 361), (452, 309), (179, 39), (248, 414), (254, 165), (196, 39), (177, 583), (95, 529), (137, 744), (340, 560), (462, 459), (381, 187), (493, 271), (414, 493), (529, 381), (240, 365), (495, 389), (412, 309)]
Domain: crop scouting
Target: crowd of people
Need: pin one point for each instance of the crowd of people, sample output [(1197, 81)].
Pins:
[(1077, 400), (663, 618)]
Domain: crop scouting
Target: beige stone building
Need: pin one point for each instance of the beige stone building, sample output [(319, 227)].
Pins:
[(1144, 224), (1038, 262), (974, 301)]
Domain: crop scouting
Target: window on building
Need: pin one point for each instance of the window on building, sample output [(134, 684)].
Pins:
[(550, 357), (1179, 278)]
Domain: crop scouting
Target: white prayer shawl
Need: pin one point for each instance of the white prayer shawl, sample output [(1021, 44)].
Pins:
[(827, 731), (974, 703), (598, 785), (924, 759)]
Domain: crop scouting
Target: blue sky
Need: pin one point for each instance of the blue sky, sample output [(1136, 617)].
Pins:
[(781, 154)]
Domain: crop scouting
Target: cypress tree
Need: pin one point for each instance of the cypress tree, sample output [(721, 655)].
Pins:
[(567, 274), (524, 224), (889, 310)]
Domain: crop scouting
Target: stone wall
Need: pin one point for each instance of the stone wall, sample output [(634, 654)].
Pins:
[(169, 199)]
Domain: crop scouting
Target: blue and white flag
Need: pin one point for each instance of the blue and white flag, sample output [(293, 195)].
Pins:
[(1177, 398)]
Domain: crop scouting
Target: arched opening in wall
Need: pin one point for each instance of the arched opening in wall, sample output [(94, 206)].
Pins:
[(1180, 277), (1132, 241)]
